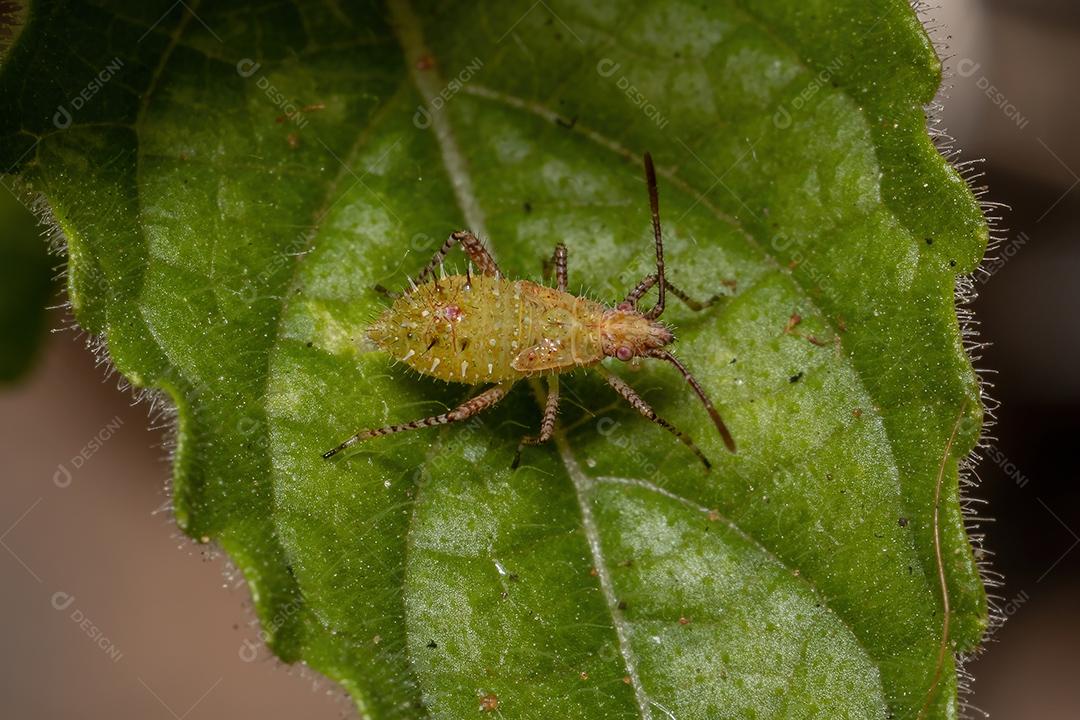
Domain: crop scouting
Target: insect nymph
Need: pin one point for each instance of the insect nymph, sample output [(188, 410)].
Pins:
[(481, 329)]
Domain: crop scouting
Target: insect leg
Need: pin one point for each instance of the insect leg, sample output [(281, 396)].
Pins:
[(547, 425), (659, 279), (388, 293), (649, 280), (464, 411), (639, 291), (477, 252), (472, 247), (654, 206), (639, 404), (666, 356), (696, 305), (558, 259)]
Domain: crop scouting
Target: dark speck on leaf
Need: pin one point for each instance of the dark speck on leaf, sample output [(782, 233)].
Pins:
[(512, 577), (795, 378), (929, 241), (432, 644), (309, 343), (952, 263), (528, 206), (622, 605), (566, 124), (903, 522)]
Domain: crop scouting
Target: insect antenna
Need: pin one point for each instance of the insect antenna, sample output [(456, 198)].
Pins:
[(729, 441), (654, 205)]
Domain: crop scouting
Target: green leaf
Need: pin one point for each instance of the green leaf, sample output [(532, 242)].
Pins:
[(241, 179)]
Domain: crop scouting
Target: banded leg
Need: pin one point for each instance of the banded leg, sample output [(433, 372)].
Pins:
[(649, 280), (464, 411), (639, 404), (547, 424), (390, 294), (558, 260), (654, 207), (472, 247), (725, 434)]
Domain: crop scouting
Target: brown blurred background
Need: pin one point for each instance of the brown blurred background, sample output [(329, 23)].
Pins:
[(111, 614)]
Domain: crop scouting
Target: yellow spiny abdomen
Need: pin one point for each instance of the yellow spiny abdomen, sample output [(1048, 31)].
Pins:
[(487, 329)]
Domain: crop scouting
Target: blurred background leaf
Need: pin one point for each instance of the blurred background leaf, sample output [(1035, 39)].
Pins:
[(25, 285)]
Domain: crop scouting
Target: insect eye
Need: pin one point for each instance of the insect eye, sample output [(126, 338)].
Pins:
[(624, 353)]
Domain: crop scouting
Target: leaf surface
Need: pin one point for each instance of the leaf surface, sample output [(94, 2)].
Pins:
[(240, 181)]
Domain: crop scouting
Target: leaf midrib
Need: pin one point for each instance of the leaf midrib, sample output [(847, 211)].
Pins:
[(410, 35), (583, 486)]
